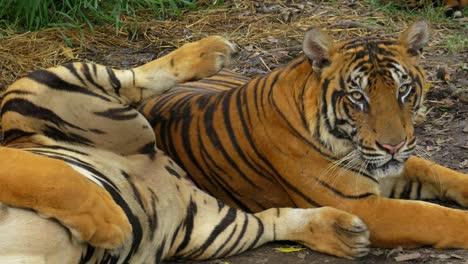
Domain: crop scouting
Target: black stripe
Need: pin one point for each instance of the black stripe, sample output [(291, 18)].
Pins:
[(55, 82), (15, 134), (124, 113), (29, 109), (405, 194), (16, 92), (260, 231), (71, 67), (228, 219), (115, 82), (240, 236), (90, 78), (160, 250), (343, 195), (59, 135), (148, 149), (188, 224)]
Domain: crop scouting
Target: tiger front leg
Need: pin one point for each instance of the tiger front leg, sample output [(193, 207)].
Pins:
[(395, 222), (423, 179), (215, 230), (192, 61), (326, 229)]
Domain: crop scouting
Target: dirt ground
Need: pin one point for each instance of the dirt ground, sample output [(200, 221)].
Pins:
[(269, 34)]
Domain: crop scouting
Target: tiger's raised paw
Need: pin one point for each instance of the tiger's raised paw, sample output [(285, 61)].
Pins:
[(192, 61), (204, 58), (334, 232)]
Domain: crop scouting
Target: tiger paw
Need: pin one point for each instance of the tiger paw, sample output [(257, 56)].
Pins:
[(55, 190), (334, 232), (100, 222), (204, 58)]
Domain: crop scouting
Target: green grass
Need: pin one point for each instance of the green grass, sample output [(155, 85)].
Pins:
[(455, 43), (428, 13), (31, 15)]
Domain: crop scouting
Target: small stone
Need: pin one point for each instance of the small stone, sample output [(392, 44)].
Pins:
[(463, 164), (406, 257), (377, 252), (465, 129), (456, 256), (394, 251), (462, 95), (443, 256)]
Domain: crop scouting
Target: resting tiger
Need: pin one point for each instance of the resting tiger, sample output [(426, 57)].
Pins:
[(332, 128), (453, 8), (76, 151)]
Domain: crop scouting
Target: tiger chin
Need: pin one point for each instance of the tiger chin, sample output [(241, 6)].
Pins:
[(331, 128)]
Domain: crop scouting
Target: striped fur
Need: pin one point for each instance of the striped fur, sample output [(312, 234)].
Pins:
[(332, 128), (76, 151)]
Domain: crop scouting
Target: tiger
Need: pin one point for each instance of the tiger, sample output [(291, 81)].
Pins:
[(452, 8), (334, 127), (82, 181)]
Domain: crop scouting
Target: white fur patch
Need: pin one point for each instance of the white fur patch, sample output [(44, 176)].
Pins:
[(87, 174)]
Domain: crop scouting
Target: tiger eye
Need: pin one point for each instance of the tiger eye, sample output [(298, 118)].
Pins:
[(356, 95), (403, 89)]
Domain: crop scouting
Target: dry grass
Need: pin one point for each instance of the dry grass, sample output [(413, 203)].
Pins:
[(271, 30)]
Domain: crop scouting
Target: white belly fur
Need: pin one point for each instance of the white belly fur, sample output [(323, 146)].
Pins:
[(26, 237)]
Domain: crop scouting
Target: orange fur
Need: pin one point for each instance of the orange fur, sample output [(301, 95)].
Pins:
[(296, 138), (75, 150)]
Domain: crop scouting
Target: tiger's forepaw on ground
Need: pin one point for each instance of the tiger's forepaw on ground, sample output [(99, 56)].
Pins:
[(338, 233)]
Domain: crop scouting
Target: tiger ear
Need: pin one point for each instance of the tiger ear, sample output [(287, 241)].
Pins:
[(415, 38), (317, 46)]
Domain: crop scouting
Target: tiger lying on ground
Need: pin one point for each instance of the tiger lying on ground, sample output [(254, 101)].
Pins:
[(75, 150), (332, 128), (453, 8)]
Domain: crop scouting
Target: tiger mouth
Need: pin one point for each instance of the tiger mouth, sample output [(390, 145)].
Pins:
[(389, 168)]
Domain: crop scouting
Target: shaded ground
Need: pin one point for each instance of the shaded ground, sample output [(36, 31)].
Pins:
[(269, 34)]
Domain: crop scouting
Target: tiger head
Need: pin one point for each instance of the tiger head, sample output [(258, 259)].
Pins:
[(370, 90)]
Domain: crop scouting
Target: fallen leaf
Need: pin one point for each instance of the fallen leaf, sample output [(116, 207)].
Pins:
[(440, 141), (272, 39), (68, 53), (289, 249), (443, 73), (428, 86)]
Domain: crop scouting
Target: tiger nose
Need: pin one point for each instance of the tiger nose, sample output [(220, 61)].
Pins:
[(392, 149)]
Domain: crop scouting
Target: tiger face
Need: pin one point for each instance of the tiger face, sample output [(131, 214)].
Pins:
[(371, 90)]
